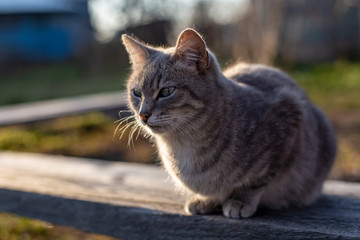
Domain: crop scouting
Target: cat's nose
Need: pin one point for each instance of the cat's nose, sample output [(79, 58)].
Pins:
[(144, 116)]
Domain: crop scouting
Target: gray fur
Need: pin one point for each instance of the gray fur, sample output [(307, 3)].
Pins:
[(235, 140)]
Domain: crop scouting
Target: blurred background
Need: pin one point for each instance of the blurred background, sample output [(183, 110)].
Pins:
[(65, 48)]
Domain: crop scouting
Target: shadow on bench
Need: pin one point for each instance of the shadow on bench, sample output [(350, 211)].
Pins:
[(133, 201)]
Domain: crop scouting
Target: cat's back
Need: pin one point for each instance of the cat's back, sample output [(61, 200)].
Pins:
[(263, 78), (290, 113)]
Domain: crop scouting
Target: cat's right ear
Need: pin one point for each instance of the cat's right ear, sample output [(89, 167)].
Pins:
[(138, 53), (191, 49)]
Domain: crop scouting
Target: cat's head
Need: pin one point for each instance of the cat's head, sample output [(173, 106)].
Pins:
[(169, 88)]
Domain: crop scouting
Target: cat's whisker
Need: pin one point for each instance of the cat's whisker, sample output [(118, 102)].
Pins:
[(123, 111), (118, 129), (126, 127), (131, 134), (123, 128), (124, 119), (138, 129), (146, 135), (129, 137), (137, 136)]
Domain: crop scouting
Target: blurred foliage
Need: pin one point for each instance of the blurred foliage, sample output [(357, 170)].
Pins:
[(334, 87), (90, 135), (19, 228), (49, 81)]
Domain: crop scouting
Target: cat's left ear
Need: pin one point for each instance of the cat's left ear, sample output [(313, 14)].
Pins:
[(191, 49), (138, 52)]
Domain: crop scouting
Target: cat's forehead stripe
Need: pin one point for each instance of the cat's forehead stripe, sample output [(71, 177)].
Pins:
[(153, 81)]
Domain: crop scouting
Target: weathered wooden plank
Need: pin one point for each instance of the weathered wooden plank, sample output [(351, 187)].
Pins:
[(35, 111), (134, 201)]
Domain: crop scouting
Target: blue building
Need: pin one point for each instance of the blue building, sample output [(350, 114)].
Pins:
[(43, 30)]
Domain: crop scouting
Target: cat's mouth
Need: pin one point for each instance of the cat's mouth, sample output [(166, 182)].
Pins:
[(152, 126), (155, 128)]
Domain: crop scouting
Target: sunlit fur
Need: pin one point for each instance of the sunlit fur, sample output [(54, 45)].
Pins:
[(235, 140)]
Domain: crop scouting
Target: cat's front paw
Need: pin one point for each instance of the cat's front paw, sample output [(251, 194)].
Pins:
[(196, 205), (237, 209)]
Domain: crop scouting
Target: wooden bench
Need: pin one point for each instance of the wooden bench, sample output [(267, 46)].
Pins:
[(44, 110), (134, 201)]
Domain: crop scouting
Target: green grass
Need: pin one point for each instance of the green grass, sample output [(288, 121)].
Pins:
[(13, 227), (335, 87), (90, 135), (58, 80)]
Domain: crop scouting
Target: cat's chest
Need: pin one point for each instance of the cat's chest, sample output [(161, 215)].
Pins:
[(178, 157), (181, 162)]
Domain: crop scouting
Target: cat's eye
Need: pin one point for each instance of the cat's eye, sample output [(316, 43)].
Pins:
[(137, 92), (165, 92)]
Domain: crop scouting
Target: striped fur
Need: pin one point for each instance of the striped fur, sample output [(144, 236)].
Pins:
[(235, 140)]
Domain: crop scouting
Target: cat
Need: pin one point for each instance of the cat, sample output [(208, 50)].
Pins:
[(235, 140)]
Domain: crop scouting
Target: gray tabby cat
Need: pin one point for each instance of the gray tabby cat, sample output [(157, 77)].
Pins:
[(236, 140)]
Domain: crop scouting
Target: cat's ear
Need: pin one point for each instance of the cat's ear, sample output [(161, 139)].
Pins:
[(191, 49), (138, 52)]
